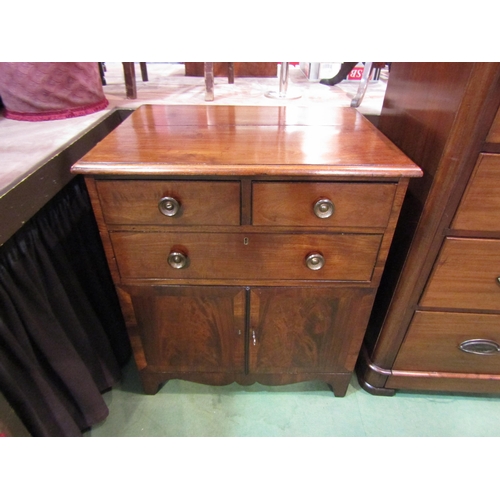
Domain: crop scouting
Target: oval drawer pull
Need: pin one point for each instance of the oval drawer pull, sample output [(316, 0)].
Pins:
[(178, 260), (324, 208), (169, 206), (480, 346), (315, 261)]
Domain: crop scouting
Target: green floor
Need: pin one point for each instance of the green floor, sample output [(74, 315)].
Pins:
[(307, 409)]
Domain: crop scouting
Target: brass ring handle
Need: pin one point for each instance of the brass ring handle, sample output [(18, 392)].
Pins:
[(178, 260), (315, 261), (480, 346), (169, 206), (323, 208)]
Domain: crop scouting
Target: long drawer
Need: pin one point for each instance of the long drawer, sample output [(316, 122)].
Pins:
[(451, 342), (465, 276), (170, 203), (479, 209), (322, 204), (494, 134), (349, 257)]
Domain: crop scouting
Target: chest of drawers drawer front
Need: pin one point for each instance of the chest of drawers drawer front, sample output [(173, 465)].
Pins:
[(340, 204), (479, 209), (198, 202), (250, 257), (434, 338), (494, 134), (465, 276)]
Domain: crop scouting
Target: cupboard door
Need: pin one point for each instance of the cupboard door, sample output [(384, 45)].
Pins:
[(190, 329), (306, 330)]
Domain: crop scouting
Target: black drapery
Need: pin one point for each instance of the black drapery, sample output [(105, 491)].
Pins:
[(62, 335)]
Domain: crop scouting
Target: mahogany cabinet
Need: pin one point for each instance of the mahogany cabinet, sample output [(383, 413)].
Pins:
[(436, 321), (246, 243)]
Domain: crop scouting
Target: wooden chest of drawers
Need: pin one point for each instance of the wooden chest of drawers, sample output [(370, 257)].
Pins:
[(246, 244), (441, 329)]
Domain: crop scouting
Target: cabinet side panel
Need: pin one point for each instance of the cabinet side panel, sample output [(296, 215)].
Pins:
[(101, 224), (420, 107)]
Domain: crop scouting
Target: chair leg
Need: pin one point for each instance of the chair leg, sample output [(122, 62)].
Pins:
[(144, 72), (101, 73), (209, 81), (363, 84), (230, 72), (130, 85)]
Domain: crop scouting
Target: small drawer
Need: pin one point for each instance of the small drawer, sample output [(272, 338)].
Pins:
[(479, 209), (322, 204), (451, 342), (248, 257), (170, 202), (465, 276)]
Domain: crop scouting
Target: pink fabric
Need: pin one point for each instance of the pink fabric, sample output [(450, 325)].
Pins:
[(50, 91)]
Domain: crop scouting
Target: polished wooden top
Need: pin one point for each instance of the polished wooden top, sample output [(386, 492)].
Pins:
[(246, 140)]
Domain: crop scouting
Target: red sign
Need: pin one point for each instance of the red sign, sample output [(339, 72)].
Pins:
[(356, 73)]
